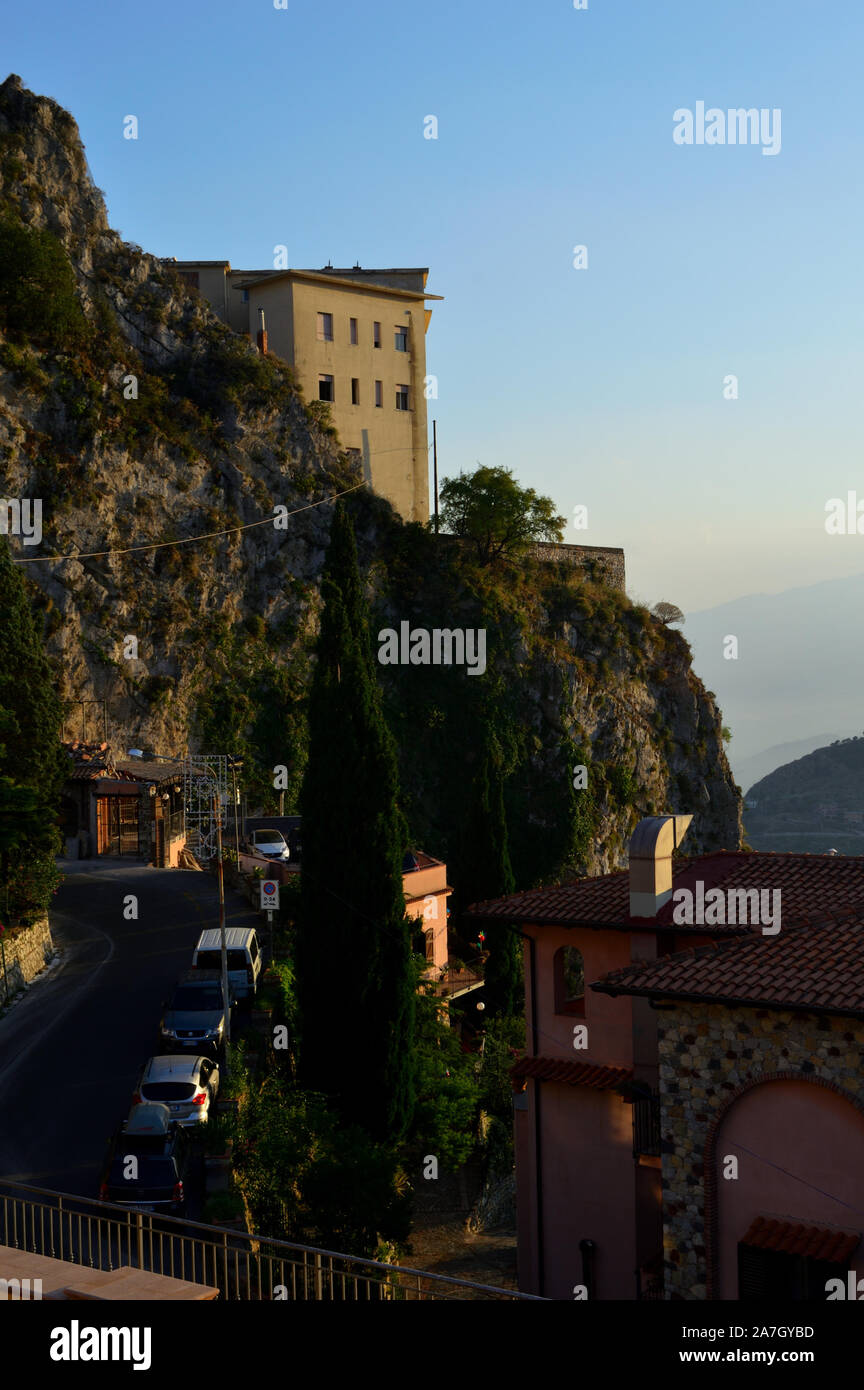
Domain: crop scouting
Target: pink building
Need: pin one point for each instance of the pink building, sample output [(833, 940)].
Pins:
[(689, 1114), (426, 892)]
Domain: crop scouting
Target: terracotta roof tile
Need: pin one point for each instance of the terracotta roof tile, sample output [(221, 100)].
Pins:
[(816, 1242), (809, 883), (571, 1073), (815, 966), (89, 760)]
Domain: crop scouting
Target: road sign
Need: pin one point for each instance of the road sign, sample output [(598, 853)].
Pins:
[(269, 894)]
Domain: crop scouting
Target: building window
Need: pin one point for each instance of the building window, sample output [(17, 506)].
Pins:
[(355, 390), (325, 328), (376, 335), (401, 397), (352, 329), (379, 393), (430, 945), (569, 970), (401, 338), (325, 388), (773, 1274), (245, 296)]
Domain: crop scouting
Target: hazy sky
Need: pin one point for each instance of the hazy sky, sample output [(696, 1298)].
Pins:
[(601, 386)]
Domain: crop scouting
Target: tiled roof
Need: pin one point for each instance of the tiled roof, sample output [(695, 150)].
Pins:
[(816, 966), (417, 859), (816, 1242), (571, 1073), (89, 760), (810, 884)]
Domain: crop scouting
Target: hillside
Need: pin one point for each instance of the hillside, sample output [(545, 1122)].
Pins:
[(813, 804), (212, 437), (769, 695)]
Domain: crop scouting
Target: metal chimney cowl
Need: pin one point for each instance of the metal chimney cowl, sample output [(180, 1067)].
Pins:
[(651, 847)]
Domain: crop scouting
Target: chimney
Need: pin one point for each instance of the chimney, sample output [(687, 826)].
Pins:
[(651, 847), (262, 334)]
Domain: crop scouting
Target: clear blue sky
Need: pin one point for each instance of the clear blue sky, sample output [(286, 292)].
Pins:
[(602, 386)]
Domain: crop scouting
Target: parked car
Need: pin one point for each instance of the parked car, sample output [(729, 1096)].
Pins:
[(244, 958), (148, 1159), (187, 1085), (270, 843), (194, 1019)]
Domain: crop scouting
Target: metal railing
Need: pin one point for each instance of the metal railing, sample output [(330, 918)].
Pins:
[(243, 1267)]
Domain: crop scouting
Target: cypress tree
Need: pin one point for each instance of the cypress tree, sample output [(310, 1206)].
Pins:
[(486, 872), (33, 766), (355, 973)]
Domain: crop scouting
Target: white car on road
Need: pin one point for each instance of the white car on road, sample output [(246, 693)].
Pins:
[(187, 1085)]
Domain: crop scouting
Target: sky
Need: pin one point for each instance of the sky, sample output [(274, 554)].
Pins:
[(602, 386)]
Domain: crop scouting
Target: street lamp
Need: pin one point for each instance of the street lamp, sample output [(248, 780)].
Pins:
[(206, 771)]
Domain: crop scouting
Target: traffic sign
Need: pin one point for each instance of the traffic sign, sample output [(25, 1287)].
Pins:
[(269, 894)]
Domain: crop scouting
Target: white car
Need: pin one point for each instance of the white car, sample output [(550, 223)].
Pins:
[(270, 843), (186, 1084)]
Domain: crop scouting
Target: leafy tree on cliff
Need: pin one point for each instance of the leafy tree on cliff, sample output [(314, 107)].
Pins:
[(355, 973), (500, 518), (32, 764)]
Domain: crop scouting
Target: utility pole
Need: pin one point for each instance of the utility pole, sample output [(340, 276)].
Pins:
[(435, 467), (226, 1000)]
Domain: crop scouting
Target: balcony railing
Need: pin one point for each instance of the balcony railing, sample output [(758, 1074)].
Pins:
[(244, 1267)]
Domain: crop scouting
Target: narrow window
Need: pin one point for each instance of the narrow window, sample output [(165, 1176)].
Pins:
[(376, 335), (355, 390), (401, 397), (325, 388), (401, 338), (569, 970), (325, 328), (352, 329), (379, 393)]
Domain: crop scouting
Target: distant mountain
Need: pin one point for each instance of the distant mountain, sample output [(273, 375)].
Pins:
[(753, 769), (800, 665), (813, 804)]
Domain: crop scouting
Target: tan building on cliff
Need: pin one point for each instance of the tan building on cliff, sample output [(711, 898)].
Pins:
[(356, 339)]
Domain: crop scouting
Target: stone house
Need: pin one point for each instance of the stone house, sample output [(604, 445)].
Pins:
[(672, 1026)]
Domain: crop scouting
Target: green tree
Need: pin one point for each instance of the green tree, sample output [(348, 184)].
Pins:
[(309, 1177), (486, 872), (38, 301), (445, 1118), (502, 519), (33, 766), (355, 973)]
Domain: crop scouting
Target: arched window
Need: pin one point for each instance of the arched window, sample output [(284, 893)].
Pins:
[(569, 981)]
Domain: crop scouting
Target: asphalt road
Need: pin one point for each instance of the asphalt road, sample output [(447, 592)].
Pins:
[(71, 1050)]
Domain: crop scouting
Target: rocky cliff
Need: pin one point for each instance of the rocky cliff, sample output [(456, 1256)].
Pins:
[(138, 419)]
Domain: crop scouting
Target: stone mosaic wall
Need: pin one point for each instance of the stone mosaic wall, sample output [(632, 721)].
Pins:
[(707, 1054)]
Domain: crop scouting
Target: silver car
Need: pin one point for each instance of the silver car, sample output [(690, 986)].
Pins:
[(270, 843), (186, 1084)]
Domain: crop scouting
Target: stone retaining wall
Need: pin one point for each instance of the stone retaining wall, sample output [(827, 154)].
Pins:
[(27, 951)]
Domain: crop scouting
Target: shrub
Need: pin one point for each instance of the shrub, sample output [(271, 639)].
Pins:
[(38, 299)]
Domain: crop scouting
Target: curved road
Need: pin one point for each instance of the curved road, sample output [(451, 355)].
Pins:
[(71, 1050)]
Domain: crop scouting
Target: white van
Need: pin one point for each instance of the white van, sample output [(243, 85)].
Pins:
[(244, 958)]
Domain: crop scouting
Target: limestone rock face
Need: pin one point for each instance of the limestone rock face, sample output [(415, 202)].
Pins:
[(154, 425)]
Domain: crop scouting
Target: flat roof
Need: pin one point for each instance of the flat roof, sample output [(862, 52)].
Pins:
[(326, 277)]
